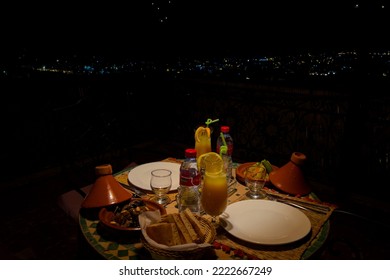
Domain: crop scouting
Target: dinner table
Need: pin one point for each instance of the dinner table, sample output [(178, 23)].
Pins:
[(226, 245)]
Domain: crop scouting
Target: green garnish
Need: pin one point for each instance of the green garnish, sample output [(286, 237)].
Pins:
[(267, 165)]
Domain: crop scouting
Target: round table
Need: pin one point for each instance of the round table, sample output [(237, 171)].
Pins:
[(110, 248)]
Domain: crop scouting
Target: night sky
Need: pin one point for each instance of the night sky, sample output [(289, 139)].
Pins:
[(163, 28)]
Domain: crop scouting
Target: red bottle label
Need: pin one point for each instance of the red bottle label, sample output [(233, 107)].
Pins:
[(187, 178)]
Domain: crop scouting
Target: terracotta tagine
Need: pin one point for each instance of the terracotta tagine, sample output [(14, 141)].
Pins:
[(289, 178), (106, 190)]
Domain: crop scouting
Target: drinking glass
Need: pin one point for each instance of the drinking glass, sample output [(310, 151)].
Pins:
[(204, 144), (161, 182), (255, 179), (214, 195)]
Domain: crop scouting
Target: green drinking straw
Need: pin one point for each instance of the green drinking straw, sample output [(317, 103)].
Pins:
[(223, 148), (210, 121)]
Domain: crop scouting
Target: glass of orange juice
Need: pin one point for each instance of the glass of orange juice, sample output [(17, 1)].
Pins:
[(214, 191), (202, 140)]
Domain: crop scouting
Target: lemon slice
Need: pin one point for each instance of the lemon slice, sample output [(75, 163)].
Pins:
[(201, 162), (202, 132), (211, 162)]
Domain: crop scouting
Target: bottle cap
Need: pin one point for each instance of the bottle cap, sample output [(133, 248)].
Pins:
[(190, 153), (225, 129)]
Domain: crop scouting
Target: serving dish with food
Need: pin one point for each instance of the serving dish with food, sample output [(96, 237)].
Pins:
[(240, 171), (125, 218)]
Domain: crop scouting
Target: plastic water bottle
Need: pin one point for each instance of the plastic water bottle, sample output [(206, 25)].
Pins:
[(190, 179), (226, 139)]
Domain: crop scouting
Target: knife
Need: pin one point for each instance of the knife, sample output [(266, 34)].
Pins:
[(301, 204), (136, 192), (321, 211)]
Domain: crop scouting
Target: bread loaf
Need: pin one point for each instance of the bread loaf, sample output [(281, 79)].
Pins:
[(177, 229), (199, 229), (164, 233), (182, 229), (193, 235)]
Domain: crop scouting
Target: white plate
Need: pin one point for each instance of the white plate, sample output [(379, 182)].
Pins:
[(265, 222), (140, 175)]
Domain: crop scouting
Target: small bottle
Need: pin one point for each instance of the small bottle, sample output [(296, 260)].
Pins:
[(227, 157), (228, 139), (190, 179)]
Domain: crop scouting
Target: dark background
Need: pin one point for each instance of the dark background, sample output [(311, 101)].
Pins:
[(57, 128), (172, 28)]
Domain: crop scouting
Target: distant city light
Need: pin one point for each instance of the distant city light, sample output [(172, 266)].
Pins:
[(323, 65)]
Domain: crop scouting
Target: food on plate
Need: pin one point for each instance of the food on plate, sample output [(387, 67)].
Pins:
[(240, 170), (264, 164), (176, 229), (267, 165), (127, 216)]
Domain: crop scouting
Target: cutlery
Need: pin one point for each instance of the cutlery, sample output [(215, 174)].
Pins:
[(306, 203), (231, 191), (301, 204), (136, 192), (308, 208)]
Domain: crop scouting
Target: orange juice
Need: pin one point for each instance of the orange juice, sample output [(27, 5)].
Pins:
[(203, 138), (214, 193), (203, 145)]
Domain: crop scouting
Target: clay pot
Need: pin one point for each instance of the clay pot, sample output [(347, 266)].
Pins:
[(106, 190), (289, 178)]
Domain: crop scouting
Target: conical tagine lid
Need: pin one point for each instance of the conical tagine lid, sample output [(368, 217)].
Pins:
[(106, 190), (289, 178)]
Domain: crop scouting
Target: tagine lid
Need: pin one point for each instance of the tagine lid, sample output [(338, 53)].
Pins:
[(106, 190), (290, 178)]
